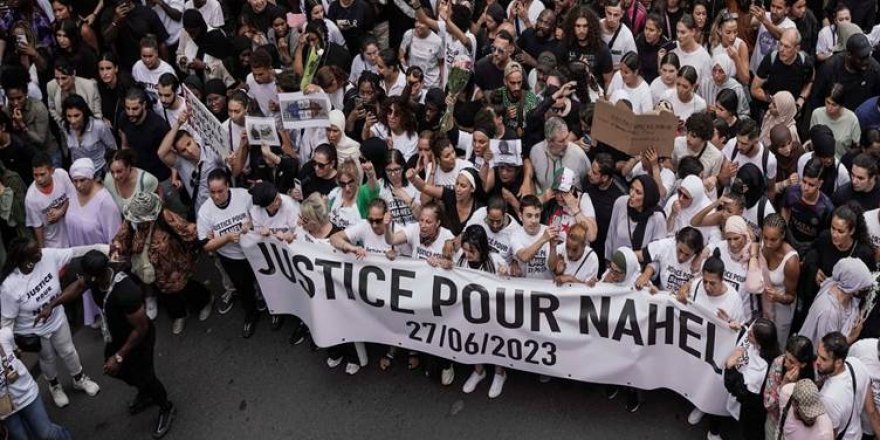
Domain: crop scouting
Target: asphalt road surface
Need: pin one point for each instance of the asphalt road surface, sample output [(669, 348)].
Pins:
[(226, 387)]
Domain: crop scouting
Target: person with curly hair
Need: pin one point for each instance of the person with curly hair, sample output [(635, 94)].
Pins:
[(583, 43)]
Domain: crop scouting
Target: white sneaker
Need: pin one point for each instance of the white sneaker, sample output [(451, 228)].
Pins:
[(711, 436), (497, 385), (152, 307), (333, 363), (178, 325), (447, 376), (352, 368), (472, 381), (58, 396), (206, 311), (695, 416), (86, 384)]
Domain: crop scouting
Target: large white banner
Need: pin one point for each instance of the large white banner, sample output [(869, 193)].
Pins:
[(606, 334)]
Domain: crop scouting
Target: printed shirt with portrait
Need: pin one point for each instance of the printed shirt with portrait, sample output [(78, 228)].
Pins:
[(661, 255), (423, 251), (227, 220), (538, 267), (23, 295)]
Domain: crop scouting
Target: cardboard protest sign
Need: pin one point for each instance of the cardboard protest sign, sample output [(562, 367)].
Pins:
[(620, 128)]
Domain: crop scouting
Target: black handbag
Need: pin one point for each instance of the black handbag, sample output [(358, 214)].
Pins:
[(30, 343)]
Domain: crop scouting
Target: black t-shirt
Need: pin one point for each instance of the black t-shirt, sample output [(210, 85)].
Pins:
[(648, 57), (145, 139), (139, 22), (487, 76), (598, 59), (603, 204), (857, 86), (807, 221), (17, 157), (123, 299), (353, 21), (456, 225), (530, 43), (867, 200), (829, 255), (312, 183), (780, 76), (261, 20)]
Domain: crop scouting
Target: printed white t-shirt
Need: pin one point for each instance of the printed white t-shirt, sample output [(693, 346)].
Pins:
[(361, 234), (663, 258), (423, 252), (498, 241), (539, 266), (38, 204), (224, 221), (23, 295), (283, 221)]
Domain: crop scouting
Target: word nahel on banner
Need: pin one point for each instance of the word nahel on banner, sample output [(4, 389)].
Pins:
[(606, 334)]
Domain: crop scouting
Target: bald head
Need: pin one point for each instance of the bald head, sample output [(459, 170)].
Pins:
[(791, 35), (780, 135)]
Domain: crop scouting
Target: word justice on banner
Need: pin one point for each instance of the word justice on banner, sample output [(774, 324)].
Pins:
[(605, 334)]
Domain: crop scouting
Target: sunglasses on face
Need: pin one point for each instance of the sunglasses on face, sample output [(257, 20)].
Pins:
[(322, 165), (343, 184)]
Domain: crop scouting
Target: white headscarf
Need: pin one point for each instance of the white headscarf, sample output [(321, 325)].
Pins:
[(347, 148), (723, 60), (693, 185), (632, 269)]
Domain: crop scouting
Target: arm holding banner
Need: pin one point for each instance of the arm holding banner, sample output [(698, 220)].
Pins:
[(340, 241), (392, 237)]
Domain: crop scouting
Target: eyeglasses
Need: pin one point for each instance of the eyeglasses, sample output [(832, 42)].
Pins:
[(393, 170), (345, 183), (322, 165), (729, 16), (376, 221)]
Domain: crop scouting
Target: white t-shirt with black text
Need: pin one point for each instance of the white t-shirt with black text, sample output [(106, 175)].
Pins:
[(539, 266), (228, 220), (23, 295), (38, 204)]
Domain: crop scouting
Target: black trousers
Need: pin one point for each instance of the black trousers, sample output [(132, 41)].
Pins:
[(192, 298), (242, 277), (138, 369)]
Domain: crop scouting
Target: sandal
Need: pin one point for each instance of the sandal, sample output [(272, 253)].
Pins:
[(385, 362), (414, 361)]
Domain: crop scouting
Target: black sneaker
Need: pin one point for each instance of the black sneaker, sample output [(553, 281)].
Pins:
[(633, 402), (277, 322), (611, 391), (166, 417), (298, 335), (225, 303), (139, 404)]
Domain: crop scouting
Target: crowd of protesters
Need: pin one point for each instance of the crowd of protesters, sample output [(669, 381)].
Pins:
[(765, 210)]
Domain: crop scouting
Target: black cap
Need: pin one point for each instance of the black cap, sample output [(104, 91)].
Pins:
[(858, 46), (264, 194), (823, 140)]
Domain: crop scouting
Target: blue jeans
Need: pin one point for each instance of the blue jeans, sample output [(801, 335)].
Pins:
[(32, 422)]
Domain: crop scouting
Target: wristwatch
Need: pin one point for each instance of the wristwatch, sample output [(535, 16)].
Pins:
[(118, 358)]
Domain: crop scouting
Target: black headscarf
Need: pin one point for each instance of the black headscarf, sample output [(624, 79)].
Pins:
[(650, 205), (753, 179)]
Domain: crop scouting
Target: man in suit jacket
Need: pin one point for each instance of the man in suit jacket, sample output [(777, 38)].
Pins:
[(66, 83)]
